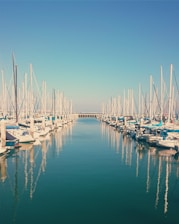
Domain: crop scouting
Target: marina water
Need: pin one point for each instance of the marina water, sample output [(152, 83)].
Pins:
[(88, 173)]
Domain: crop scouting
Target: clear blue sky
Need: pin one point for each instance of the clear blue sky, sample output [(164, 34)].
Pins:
[(90, 50)]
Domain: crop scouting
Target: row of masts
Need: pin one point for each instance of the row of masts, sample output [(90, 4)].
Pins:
[(153, 105), (28, 100)]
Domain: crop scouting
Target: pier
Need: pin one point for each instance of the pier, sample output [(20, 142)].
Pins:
[(83, 115)]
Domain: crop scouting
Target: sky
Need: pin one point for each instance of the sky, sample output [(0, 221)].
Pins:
[(90, 50)]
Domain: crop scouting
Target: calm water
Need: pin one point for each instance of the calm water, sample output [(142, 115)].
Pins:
[(88, 173)]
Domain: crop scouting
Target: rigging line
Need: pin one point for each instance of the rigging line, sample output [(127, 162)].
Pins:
[(37, 104), (20, 107), (37, 178), (157, 97), (135, 103), (11, 103), (35, 157), (37, 85), (176, 83), (145, 102), (37, 153)]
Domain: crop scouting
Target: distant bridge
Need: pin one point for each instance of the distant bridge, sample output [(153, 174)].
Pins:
[(83, 115)]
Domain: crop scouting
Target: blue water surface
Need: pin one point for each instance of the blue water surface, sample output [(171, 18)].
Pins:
[(88, 173)]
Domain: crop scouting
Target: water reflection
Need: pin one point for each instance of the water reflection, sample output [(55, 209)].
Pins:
[(121, 143), (3, 168), (21, 172), (113, 137), (160, 169), (60, 136), (158, 183), (126, 177), (21, 168)]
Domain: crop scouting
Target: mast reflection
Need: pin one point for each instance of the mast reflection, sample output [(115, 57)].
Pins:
[(3, 168), (161, 167)]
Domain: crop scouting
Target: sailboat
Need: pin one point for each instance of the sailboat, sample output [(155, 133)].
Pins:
[(22, 134)]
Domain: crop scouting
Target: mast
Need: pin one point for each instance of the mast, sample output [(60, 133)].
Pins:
[(15, 87), (161, 93), (150, 98), (25, 96), (3, 94), (170, 94), (124, 103), (44, 98), (31, 92), (118, 106), (139, 102), (53, 103)]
